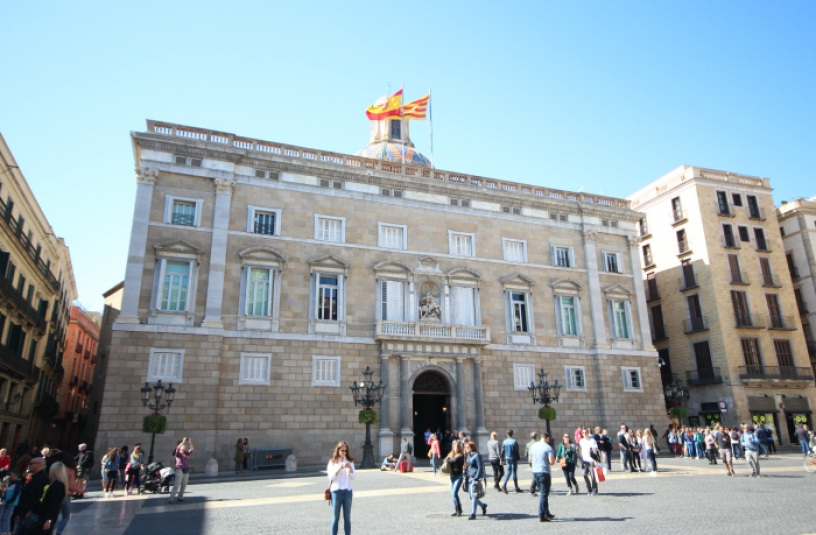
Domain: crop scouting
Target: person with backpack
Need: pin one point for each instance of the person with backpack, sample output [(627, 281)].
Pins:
[(750, 444), (510, 449), (567, 457)]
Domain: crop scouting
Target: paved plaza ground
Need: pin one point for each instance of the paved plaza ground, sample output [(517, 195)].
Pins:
[(686, 496)]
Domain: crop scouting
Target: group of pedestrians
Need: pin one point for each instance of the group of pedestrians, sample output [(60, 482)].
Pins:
[(121, 465)]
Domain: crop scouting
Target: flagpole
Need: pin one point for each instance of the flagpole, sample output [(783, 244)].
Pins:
[(402, 122), (430, 124)]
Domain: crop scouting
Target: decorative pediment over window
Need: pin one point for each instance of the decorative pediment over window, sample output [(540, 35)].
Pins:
[(517, 280), (428, 264), (179, 249), (464, 274), (566, 285), (393, 268), (617, 289), (261, 255), (328, 262)]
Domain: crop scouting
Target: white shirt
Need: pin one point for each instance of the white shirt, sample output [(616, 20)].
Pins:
[(588, 445), (340, 478)]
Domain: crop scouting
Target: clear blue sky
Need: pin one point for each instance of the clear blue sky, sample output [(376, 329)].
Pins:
[(604, 95)]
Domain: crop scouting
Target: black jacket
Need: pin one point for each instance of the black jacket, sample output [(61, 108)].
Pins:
[(32, 492), (49, 507), (85, 460)]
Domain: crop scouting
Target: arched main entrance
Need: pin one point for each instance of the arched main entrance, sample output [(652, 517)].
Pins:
[(431, 408)]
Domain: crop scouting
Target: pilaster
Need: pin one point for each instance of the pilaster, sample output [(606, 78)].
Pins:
[(640, 294), (594, 287), (218, 253), (386, 436)]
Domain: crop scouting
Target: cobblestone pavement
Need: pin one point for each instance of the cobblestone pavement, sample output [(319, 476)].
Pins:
[(683, 491)]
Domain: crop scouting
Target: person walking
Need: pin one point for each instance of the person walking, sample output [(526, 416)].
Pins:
[(495, 459), (435, 451), (111, 471), (711, 447), (510, 449), (724, 448), (124, 458), (11, 497), (84, 462), (770, 440), (625, 449), (239, 456), (750, 445), (341, 473), (406, 449), (803, 436), (475, 472), (182, 455), (456, 461), (543, 457), (567, 457), (33, 490), (605, 443), (134, 473), (649, 448), (65, 509), (247, 455), (736, 449), (590, 457), (47, 508), (634, 441), (533, 441)]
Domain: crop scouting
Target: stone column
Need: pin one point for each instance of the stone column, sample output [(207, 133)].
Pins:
[(594, 293), (386, 436), (145, 180), (405, 398), (218, 253), (461, 422), (640, 294), (481, 434)]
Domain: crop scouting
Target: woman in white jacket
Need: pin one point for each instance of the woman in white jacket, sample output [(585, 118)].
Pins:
[(341, 473)]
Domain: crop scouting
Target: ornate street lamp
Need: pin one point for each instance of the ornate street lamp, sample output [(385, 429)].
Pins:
[(157, 404), (544, 392), (675, 392), (367, 394)]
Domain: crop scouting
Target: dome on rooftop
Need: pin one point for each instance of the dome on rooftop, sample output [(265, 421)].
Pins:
[(392, 151)]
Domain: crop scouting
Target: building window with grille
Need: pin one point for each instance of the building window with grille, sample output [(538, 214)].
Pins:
[(575, 378), (332, 229), (744, 235), (254, 369), (174, 285), (515, 250), (166, 365), (325, 371), (392, 300), (263, 220), (393, 236), (562, 256), (737, 199), (631, 379), (750, 353), (462, 244), (728, 236), (184, 212), (523, 376), (682, 242)]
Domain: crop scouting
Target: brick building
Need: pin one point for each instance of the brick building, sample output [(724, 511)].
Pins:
[(721, 299), (263, 278)]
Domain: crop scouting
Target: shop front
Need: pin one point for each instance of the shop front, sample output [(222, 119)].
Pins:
[(765, 414), (797, 412), (710, 414)]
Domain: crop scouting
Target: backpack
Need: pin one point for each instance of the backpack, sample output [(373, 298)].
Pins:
[(760, 434), (569, 455), (410, 449)]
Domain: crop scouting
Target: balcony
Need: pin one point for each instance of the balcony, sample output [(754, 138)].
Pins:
[(11, 295), (755, 212), (782, 323), (724, 210), (87, 355), (27, 246), (695, 325), (688, 283), (16, 364), (659, 333), (48, 406), (705, 376), (432, 332), (50, 356), (187, 220), (683, 247), (759, 373), (750, 321), (769, 280), (644, 230), (740, 279), (678, 216)]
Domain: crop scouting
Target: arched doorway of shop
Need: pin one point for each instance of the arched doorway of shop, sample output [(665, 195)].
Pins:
[(431, 408)]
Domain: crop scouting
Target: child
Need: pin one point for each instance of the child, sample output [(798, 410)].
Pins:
[(11, 497)]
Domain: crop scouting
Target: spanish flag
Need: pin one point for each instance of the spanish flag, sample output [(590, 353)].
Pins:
[(391, 108), (418, 109)]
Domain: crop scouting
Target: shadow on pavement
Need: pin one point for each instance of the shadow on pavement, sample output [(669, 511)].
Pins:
[(599, 519)]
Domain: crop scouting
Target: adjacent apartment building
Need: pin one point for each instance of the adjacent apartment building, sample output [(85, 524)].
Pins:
[(797, 221), (36, 291), (263, 278), (721, 299)]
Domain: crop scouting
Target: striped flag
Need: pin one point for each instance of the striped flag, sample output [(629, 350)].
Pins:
[(418, 109), (390, 109)]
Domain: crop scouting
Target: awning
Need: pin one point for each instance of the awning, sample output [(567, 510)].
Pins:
[(762, 404)]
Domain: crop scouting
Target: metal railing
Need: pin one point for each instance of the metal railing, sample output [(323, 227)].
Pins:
[(268, 458), (739, 278), (183, 219), (659, 333), (28, 247), (759, 371), (653, 295), (694, 325), (769, 280), (724, 209), (705, 376), (683, 246), (750, 321), (762, 244), (782, 322), (16, 297), (756, 213), (687, 283), (678, 214), (406, 330), (74, 381), (18, 364)]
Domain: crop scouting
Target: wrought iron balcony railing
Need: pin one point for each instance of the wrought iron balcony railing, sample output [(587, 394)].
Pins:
[(704, 376), (758, 371)]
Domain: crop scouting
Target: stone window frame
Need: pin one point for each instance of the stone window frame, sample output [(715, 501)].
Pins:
[(618, 259), (169, 200), (336, 383), (568, 383), (334, 267), (471, 235), (251, 209), (518, 283), (191, 274), (570, 255), (523, 243), (462, 278), (318, 217), (517, 375), (568, 288), (260, 258), (626, 377), (150, 377), (177, 251), (381, 236), (396, 272), (616, 293), (242, 368)]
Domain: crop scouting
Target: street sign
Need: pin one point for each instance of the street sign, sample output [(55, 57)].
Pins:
[(723, 406)]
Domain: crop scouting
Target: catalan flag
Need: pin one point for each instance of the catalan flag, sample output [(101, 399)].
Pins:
[(391, 108), (418, 109)]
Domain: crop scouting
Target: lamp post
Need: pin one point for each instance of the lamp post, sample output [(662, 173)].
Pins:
[(156, 404), (367, 394), (675, 392), (544, 392)]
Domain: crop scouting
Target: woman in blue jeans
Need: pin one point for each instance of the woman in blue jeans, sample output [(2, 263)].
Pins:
[(456, 461), (475, 472), (341, 474)]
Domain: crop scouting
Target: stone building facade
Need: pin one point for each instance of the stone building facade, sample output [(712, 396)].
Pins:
[(36, 291), (263, 278), (797, 221), (721, 299)]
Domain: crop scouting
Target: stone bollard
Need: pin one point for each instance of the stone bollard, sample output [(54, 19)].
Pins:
[(212, 467), (291, 463)]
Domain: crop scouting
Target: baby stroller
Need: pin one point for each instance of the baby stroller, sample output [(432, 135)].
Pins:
[(157, 477)]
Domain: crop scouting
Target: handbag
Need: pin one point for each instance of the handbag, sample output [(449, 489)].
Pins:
[(430, 454), (563, 462), (327, 495), (599, 474), (446, 467), (478, 489)]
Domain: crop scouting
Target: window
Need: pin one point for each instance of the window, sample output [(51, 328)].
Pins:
[(331, 229), (464, 203), (263, 220), (643, 226), (677, 209), (181, 211), (558, 217), (657, 322), (259, 291), (774, 312), (631, 379), (325, 371), (682, 243), (609, 223), (254, 369), (30, 294), (741, 311), (333, 184), (753, 208), (392, 299), (737, 199), (393, 236), (21, 283), (759, 236), (15, 339), (647, 256), (396, 130), (782, 231), (464, 309), (515, 250), (621, 315), (175, 286), (784, 357), (794, 273), (569, 315), (800, 303), (511, 210), (613, 262), (518, 312), (188, 160), (734, 266), (263, 173), (744, 236), (523, 376), (562, 256), (768, 279), (391, 192), (575, 377), (165, 364), (327, 297), (750, 352), (722, 204), (728, 235), (651, 284), (702, 356), (461, 244)]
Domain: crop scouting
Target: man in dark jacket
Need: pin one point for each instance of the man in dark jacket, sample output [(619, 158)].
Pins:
[(511, 458), (625, 449), (32, 490)]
